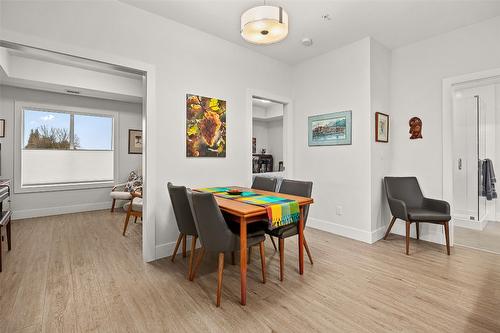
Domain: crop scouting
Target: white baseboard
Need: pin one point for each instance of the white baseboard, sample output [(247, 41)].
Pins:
[(166, 249), (474, 225), (39, 212), (369, 237)]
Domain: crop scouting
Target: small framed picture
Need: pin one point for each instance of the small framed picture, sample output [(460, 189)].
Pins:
[(381, 127), (2, 128), (134, 141)]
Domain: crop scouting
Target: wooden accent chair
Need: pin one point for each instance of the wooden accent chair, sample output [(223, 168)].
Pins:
[(118, 192), (299, 188), (409, 204), (185, 222), (133, 208), (216, 236)]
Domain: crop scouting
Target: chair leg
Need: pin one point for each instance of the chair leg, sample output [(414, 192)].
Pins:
[(135, 220), (282, 256), (308, 252), (408, 224), (181, 235), (113, 206), (191, 255), (274, 244), (263, 261), (126, 223), (9, 238), (197, 263), (447, 235), (184, 246), (390, 227), (249, 254), (220, 271), (418, 229)]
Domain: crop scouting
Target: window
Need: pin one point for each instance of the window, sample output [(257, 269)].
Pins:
[(66, 147)]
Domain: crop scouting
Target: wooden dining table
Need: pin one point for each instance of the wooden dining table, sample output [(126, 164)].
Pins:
[(244, 214)]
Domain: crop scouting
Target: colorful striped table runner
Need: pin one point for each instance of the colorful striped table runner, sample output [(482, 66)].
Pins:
[(280, 211)]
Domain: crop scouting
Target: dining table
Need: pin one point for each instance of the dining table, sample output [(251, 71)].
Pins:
[(244, 214)]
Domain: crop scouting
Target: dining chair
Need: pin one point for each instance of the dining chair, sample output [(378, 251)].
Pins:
[(407, 203), (133, 208), (216, 236), (264, 183), (299, 188), (185, 222)]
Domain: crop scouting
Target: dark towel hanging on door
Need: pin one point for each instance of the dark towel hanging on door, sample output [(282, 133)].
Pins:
[(489, 180)]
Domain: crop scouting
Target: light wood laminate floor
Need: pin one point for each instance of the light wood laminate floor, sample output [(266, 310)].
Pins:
[(487, 239), (77, 273)]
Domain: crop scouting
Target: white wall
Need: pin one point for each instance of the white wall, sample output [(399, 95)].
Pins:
[(417, 72), (47, 203), (275, 143), (381, 152), (186, 61), (336, 81), (260, 133)]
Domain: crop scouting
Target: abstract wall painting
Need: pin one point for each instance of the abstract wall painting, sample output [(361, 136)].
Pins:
[(205, 126), (330, 129)]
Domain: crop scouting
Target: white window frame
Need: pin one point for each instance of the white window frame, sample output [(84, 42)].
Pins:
[(20, 106)]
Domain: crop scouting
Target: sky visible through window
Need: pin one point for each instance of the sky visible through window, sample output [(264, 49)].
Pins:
[(93, 132)]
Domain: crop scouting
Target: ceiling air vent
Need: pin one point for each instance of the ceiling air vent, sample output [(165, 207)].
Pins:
[(74, 92)]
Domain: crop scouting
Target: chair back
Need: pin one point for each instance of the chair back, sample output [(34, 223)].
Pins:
[(406, 189), (299, 188), (264, 183), (182, 210), (213, 231)]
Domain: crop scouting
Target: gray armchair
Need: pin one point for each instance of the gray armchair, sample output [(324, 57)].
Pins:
[(407, 203)]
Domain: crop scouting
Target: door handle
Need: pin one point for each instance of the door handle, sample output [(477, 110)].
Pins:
[(459, 164)]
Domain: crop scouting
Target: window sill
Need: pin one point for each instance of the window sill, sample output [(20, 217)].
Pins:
[(63, 187)]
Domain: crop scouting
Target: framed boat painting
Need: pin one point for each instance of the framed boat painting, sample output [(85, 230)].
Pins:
[(331, 129), (381, 127)]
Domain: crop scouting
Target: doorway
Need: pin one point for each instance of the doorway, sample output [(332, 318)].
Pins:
[(88, 60), (475, 133)]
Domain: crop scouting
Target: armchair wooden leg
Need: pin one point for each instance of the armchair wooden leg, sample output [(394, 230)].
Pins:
[(282, 256), (135, 220), (191, 255), (274, 244), (263, 261), (181, 235), (418, 229), (408, 224), (220, 271), (184, 246), (126, 223), (308, 252), (447, 235), (113, 206), (197, 263), (389, 228)]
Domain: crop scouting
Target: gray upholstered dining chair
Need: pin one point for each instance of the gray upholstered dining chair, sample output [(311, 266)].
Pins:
[(185, 221), (299, 188), (216, 236), (264, 183), (409, 204)]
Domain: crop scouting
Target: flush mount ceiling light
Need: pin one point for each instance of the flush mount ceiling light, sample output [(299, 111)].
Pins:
[(264, 25)]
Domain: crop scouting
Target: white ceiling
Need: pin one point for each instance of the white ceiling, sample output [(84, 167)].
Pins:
[(393, 23)]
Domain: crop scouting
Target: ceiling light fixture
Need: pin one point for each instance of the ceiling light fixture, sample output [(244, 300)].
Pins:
[(264, 25)]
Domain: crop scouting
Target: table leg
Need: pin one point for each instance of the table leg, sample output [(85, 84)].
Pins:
[(243, 260), (301, 241)]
